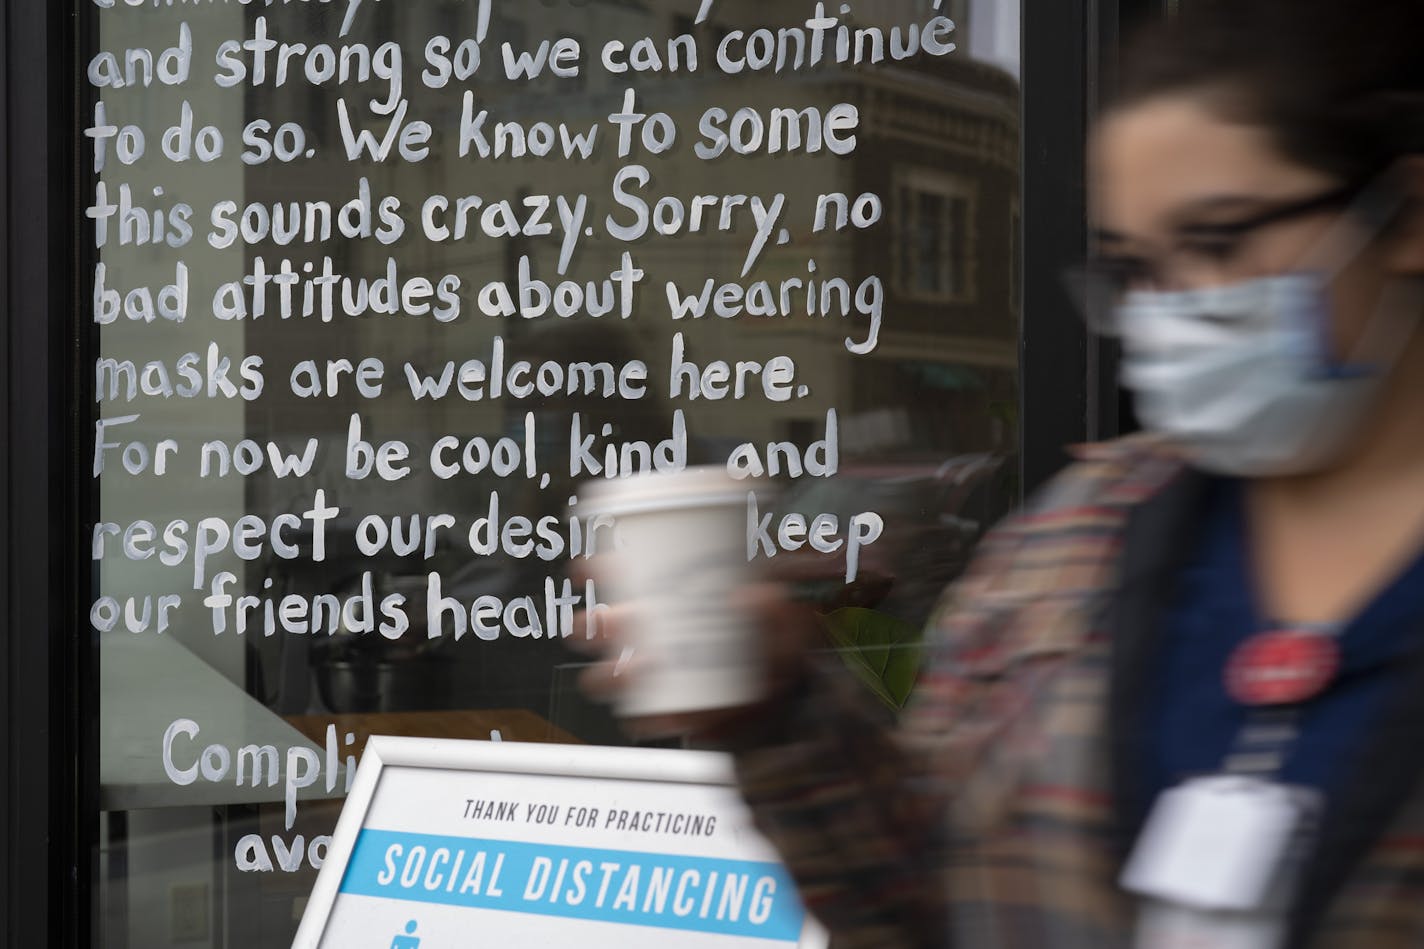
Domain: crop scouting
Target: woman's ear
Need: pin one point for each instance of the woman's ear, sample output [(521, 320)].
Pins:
[(1406, 254)]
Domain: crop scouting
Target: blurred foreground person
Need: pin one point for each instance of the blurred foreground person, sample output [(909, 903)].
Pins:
[(1180, 700)]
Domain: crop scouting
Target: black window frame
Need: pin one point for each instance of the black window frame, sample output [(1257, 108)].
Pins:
[(47, 720)]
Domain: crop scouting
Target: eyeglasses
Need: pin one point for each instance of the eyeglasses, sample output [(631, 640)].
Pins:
[(1208, 250)]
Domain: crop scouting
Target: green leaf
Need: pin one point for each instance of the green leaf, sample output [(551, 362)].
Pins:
[(884, 652)]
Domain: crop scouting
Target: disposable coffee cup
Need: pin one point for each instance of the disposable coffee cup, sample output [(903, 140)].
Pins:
[(679, 561)]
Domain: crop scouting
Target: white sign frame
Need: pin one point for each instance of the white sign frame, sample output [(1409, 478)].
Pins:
[(648, 765)]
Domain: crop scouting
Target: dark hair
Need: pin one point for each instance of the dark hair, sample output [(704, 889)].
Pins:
[(1338, 83)]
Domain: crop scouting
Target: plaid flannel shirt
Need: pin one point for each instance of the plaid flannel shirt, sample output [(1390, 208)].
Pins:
[(993, 817)]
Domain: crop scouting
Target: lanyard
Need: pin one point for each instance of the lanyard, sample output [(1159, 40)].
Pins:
[(1262, 744)]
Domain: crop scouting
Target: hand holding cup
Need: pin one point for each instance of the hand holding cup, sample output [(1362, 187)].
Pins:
[(691, 643)]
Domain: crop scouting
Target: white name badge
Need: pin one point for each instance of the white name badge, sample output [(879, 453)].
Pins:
[(1215, 843), (1210, 863)]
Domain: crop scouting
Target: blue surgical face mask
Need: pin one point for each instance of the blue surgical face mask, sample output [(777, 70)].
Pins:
[(1240, 376)]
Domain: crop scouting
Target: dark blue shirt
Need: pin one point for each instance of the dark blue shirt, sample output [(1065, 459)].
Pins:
[(1215, 609)]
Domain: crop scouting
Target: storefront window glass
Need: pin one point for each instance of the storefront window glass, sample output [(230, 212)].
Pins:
[(367, 312)]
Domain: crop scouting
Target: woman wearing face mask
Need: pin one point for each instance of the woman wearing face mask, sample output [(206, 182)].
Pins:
[(1180, 700)]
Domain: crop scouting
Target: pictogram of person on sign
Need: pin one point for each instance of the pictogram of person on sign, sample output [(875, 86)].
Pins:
[(408, 941)]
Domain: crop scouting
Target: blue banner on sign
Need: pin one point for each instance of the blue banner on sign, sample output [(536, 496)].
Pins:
[(698, 894)]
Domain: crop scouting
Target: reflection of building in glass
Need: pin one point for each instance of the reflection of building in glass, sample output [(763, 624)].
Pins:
[(938, 142), (932, 285), (943, 148)]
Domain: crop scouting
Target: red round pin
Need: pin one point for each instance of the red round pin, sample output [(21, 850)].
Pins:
[(1282, 667)]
